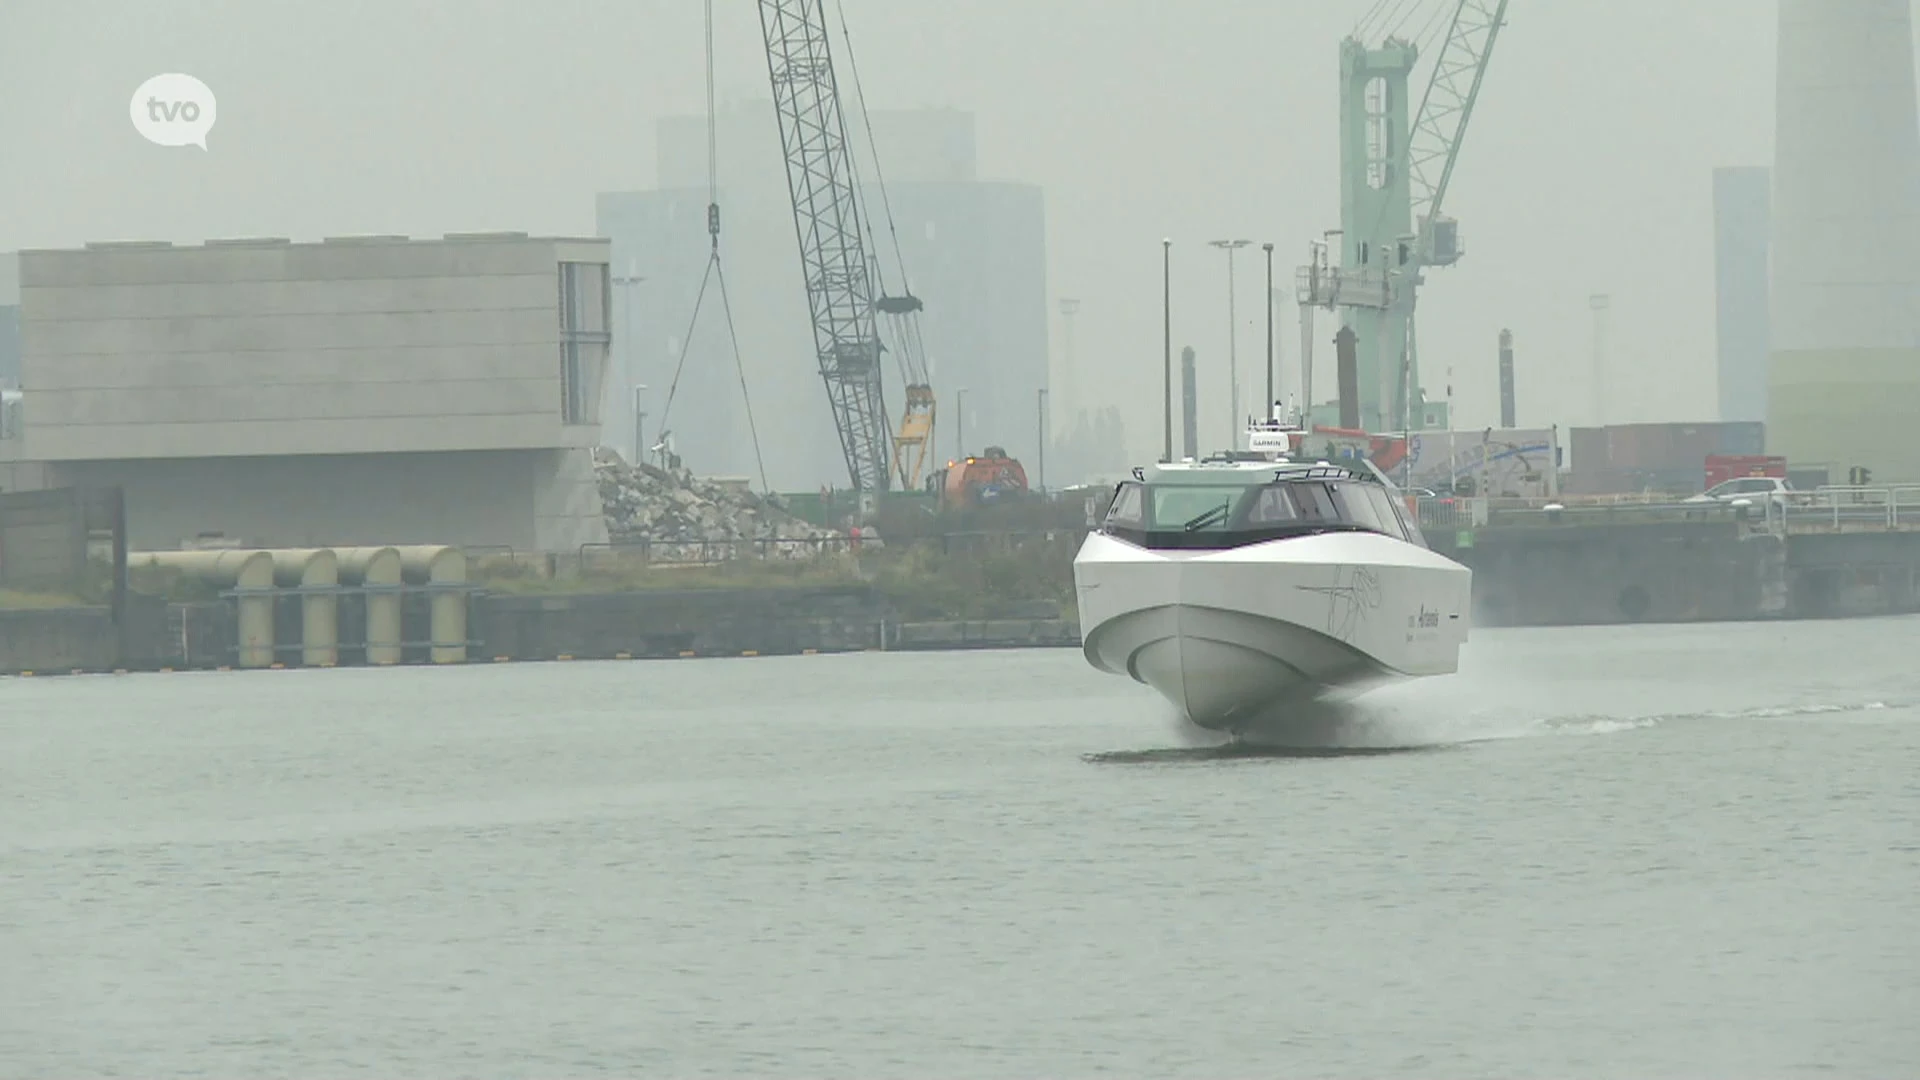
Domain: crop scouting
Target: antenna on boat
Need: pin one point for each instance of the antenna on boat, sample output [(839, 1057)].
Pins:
[(1166, 307)]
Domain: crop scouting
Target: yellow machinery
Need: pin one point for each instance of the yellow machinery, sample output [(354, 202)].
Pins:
[(915, 439)]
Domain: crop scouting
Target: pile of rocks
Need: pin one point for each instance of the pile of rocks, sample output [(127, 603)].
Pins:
[(646, 502)]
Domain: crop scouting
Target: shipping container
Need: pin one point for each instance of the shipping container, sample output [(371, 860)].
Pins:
[(1667, 481), (1592, 482), (1693, 444), (1639, 446), (1743, 438), (1677, 446), (1724, 467), (1587, 449)]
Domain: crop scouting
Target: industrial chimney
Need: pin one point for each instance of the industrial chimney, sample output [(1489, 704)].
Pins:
[(1506, 380), (1844, 375), (1346, 353)]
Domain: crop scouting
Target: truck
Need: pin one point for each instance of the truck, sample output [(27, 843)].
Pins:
[(1724, 467), (1502, 463)]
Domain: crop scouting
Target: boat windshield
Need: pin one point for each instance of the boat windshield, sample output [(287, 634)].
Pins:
[(1219, 516)]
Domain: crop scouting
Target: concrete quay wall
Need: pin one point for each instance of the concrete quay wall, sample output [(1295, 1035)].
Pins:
[(630, 625), (1600, 574), (1564, 576)]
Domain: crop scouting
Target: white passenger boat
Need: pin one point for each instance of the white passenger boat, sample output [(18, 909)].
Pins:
[(1239, 584)]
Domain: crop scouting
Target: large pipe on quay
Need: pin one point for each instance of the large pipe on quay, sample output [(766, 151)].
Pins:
[(378, 571), (443, 570), (315, 572), (250, 573)]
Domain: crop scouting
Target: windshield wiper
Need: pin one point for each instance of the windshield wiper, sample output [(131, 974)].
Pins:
[(1202, 521)]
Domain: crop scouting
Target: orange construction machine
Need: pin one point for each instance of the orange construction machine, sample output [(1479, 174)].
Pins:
[(982, 478)]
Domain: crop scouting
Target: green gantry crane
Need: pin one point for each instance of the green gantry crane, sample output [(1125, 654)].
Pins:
[(1394, 176)]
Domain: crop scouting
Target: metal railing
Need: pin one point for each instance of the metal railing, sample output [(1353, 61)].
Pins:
[(1452, 512), (1825, 509), (1842, 508)]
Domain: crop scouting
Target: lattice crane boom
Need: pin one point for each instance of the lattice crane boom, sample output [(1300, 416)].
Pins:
[(1441, 125), (827, 222)]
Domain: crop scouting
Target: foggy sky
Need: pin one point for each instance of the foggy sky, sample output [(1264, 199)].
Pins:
[(1588, 167)]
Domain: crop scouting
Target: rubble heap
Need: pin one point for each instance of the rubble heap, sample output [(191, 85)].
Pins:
[(646, 502)]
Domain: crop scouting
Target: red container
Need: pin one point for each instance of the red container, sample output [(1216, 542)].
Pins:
[(1724, 467)]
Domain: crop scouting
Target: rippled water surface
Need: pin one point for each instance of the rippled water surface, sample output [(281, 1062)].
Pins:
[(1637, 852)]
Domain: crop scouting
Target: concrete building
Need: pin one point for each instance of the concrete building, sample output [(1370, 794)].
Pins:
[(1844, 385), (1742, 226), (9, 319), (974, 251), (354, 391)]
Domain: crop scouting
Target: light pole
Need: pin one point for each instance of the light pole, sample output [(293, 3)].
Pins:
[(959, 423), (1266, 410), (1040, 430), (639, 424), (1599, 303), (1233, 338), (1069, 377), (630, 363), (1166, 306)]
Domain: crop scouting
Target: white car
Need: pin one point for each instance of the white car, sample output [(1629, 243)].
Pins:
[(1753, 489)]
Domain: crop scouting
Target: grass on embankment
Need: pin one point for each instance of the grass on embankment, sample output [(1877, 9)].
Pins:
[(15, 600)]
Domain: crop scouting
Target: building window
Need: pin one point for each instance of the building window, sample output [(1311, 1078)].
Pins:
[(586, 296)]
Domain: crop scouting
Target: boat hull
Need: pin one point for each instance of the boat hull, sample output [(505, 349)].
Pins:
[(1227, 635)]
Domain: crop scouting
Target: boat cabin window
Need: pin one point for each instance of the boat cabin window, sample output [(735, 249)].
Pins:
[(1272, 505), (1357, 508), (1218, 516), (1393, 512), (1129, 507), (1195, 509), (1314, 499)]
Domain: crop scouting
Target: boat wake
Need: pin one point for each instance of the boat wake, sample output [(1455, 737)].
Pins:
[(1369, 729), (1251, 752)]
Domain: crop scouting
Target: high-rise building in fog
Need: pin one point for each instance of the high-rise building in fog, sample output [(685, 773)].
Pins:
[(1844, 384), (1742, 204), (9, 319), (974, 251)]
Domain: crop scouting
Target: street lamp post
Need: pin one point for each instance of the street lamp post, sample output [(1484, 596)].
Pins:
[(1268, 248), (1233, 338), (639, 424), (1166, 307), (627, 283), (1040, 430), (1069, 375)]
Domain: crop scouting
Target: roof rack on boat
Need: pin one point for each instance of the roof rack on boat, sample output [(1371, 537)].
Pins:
[(1323, 471)]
